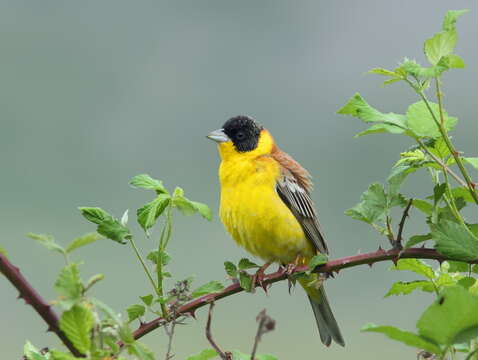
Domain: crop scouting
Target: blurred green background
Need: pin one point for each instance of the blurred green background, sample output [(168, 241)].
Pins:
[(95, 92)]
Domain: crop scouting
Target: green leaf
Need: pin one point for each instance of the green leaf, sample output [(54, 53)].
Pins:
[(3, 251), (438, 147), (206, 354), (405, 288), (153, 257), (421, 122), (455, 240), (458, 266), (189, 207), (417, 239), (245, 264), (114, 230), (95, 214), (77, 324), (406, 337), (140, 351), (464, 193), (473, 161), (69, 285), (317, 260), (135, 311), (58, 355), (149, 213), (451, 61), (417, 266), (245, 281), (450, 19), (238, 355), (147, 299), (467, 282), (384, 72), (231, 269), (358, 107), (423, 206), (208, 288), (32, 353), (438, 191), (452, 318), (144, 181), (47, 241), (372, 206), (93, 280), (82, 241)]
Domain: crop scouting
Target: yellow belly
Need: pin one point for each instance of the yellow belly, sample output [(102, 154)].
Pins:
[(256, 217)]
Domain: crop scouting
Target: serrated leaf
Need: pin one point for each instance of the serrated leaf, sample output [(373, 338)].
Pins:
[(464, 193), (454, 240), (245, 281), (467, 282), (82, 241), (245, 264), (417, 266), (189, 207), (452, 318), (384, 72), (135, 311), (144, 181), (208, 288), (141, 351), (458, 266), (406, 337), (69, 285), (77, 324), (395, 179), (358, 107), (95, 214), (421, 122), (32, 353), (147, 299), (417, 239), (149, 213), (114, 230), (317, 260), (47, 241), (423, 206), (206, 354), (372, 206), (153, 257), (203, 210), (405, 288), (439, 45), (231, 269), (438, 147)]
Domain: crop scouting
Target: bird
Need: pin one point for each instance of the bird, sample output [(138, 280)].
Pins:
[(266, 206)]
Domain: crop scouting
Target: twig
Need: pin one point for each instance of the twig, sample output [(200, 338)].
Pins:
[(170, 334), (329, 267), (33, 298), (266, 324), (398, 241), (222, 354)]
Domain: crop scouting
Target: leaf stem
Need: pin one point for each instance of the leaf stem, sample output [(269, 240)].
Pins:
[(140, 258)]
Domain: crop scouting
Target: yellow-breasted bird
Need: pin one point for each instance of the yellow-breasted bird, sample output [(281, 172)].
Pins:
[(267, 208)]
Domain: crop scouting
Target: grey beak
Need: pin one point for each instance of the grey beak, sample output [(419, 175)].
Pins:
[(218, 136)]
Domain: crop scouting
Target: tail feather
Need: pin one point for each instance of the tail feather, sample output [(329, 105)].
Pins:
[(328, 328)]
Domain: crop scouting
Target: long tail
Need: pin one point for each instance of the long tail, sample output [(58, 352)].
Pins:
[(328, 327)]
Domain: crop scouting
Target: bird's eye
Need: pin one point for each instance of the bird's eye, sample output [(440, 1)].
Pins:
[(240, 135)]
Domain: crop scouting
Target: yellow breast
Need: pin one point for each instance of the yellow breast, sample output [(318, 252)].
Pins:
[(252, 211)]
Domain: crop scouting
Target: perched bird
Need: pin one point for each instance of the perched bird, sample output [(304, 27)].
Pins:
[(267, 208)]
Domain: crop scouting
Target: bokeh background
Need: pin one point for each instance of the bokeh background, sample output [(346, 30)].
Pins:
[(95, 92)]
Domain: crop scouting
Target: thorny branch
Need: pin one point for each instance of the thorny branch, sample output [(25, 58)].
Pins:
[(398, 240), (330, 267), (33, 298)]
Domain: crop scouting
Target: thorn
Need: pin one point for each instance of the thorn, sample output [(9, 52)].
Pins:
[(440, 261), (473, 185), (380, 250), (50, 329), (370, 265), (395, 260), (20, 296), (192, 313)]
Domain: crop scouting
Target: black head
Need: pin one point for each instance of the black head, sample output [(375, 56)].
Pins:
[(243, 131)]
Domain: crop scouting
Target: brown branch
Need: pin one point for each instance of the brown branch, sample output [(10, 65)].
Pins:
[(329, 267), (398, 241), (266, 324), (224, 355), (33, 298)]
